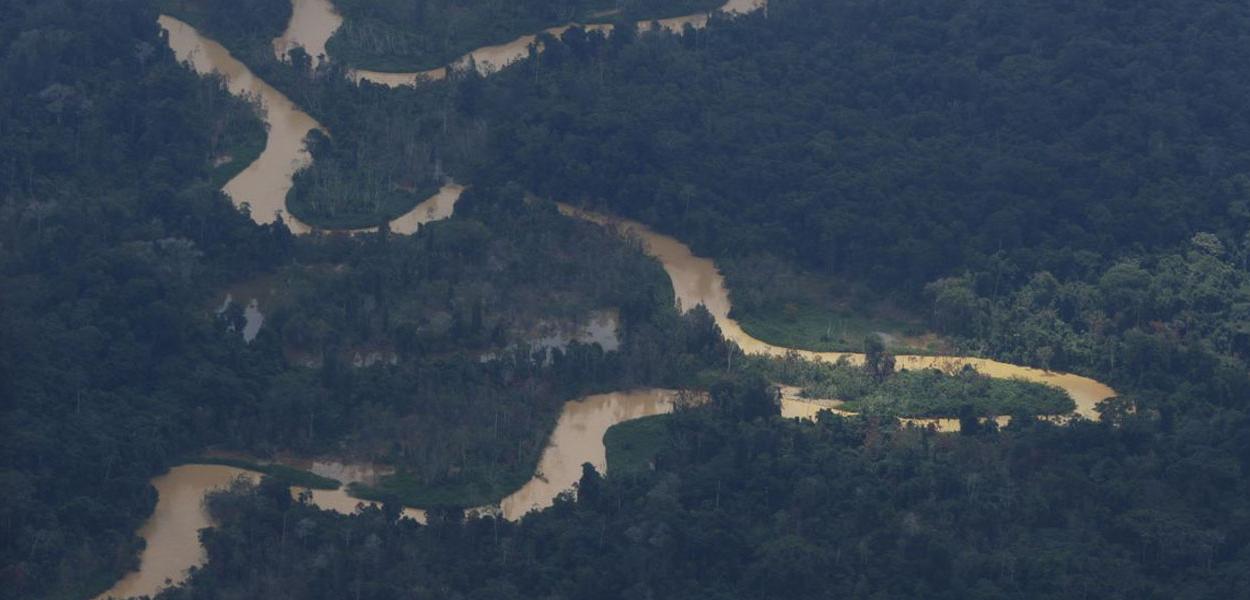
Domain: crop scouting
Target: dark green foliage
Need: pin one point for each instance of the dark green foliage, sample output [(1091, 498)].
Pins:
[(1059, 182), (352, 188), (805, 309), (775, 509), (960, 158), (475, 487), (891, 142), (1141, 320), (745, 396), (411, 35), (931, 393), (115, 242), (109, 230), (461, 429), (233, 23)]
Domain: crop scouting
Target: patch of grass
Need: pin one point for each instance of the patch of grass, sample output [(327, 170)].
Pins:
[(916, 393), (392, 205), (242, 154), (781, 303), (633, 445), (466, 492), (809, 327), (930, 393), (290, 475)]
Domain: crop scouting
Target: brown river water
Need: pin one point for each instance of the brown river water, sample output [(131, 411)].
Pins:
[(577, 439), (264, 184), (312, 24), (492, 58), (696, 280), (171, 532)]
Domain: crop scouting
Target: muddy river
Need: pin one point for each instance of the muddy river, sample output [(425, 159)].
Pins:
[(171, 532), (312, 24), (264, 184), (696, 280), (492, 58)]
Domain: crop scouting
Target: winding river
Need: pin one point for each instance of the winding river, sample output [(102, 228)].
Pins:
[(171, 532), (696, 280), (264, 184), (577, 439), (492, 58)]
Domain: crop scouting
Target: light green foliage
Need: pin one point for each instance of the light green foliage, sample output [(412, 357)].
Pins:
[(289, 475), (779, 303), (632, 446), (926, 393)]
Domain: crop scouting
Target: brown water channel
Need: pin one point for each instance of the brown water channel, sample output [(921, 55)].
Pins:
[(312, 24), (171, 532), (696, 280), (264, 184), (492, 58)]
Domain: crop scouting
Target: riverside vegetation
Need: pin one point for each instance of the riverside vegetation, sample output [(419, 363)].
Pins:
[(821, 135), (627, 126), (412, 35), (738, 503), (112, 368)]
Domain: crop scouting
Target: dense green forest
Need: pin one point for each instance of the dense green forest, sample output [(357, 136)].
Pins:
[(112, 228), (116, 243), (1039, 207), (907, 139), (458, 427), (716, 136), (415, 35), (1058, 184), (233, 23), (352, 188), (1051, 184), (745, 505)]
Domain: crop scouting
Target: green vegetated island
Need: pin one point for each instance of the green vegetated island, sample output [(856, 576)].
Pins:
[(1060, 185)]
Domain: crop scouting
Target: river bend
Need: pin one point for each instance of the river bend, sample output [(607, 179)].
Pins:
[(171, 532)]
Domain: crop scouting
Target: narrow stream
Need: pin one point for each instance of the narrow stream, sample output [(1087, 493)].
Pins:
[(264, 184), (171, 532), (493, 58), (696, 280)]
